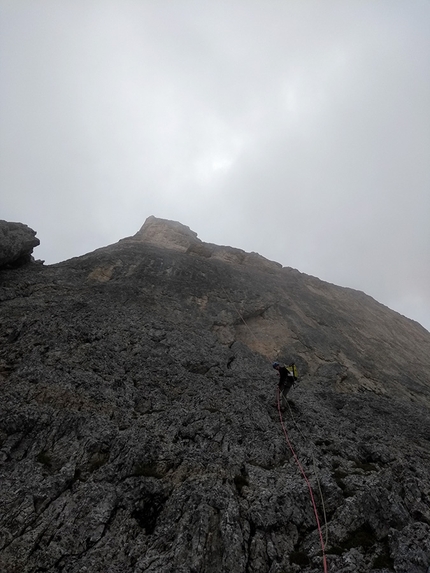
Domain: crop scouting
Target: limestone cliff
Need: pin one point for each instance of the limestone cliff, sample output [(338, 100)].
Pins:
[(138, 422)]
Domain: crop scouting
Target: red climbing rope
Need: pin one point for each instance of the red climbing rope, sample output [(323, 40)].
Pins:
[(302, 471)]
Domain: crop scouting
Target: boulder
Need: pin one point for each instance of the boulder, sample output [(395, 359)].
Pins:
[(17, 242)]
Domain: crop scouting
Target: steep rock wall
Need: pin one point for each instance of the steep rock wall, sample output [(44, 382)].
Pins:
[(139, 428)]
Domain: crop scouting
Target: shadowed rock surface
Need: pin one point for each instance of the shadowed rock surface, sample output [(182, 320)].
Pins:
[(138, 422)]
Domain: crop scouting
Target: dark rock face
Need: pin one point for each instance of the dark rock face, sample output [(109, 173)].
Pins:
[(138, 422), (17, 242)]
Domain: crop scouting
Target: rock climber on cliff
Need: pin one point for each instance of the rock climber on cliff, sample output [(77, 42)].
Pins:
[(286, 379)]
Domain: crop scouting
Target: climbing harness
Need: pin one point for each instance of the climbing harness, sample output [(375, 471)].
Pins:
[(302, 471)]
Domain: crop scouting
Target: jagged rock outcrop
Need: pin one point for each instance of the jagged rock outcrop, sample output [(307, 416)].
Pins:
[(174, 235), (138, 422), (17, 242)]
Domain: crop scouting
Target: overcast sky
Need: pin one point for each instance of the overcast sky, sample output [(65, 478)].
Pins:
[(299, 129)]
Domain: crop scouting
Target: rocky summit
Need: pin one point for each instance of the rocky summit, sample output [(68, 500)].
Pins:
[(139, 425)]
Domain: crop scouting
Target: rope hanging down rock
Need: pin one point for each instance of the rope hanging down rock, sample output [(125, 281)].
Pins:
[(311, 493), (302, 471), (314, 464)]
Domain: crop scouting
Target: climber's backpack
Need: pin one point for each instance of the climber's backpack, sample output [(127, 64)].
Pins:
[(292, 369)]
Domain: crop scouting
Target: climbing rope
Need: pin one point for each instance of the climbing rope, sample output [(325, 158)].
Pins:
[(239, 313), (302, 471), (314, 464)]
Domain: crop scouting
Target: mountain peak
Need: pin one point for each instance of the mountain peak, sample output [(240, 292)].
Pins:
[(166, 233), (178, 237)]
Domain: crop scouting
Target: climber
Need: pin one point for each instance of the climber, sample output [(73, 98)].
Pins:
[(286, 379)]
